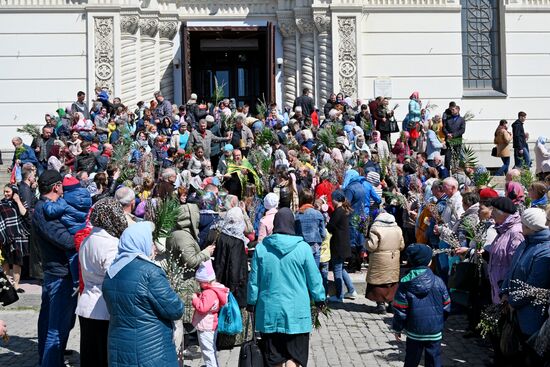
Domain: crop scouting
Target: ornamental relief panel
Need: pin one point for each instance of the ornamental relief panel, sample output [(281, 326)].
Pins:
[(347, 55), (168, 29), (129, 24), (149, 27), (104, 53)]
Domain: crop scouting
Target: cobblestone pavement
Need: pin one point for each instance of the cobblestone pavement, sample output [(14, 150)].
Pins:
[(353, 336)]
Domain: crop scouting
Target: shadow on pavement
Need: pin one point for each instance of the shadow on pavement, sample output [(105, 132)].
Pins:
[(17, 351)]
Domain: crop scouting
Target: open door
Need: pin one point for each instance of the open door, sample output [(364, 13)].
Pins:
[(270, 62), (186, 62)]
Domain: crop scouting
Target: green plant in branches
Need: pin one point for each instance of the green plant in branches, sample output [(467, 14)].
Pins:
[(327, 136), (265, 137), (217, 93), (261, 107), (165, 215), (29, 129)]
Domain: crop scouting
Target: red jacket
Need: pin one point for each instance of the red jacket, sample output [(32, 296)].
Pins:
[(326, 188)]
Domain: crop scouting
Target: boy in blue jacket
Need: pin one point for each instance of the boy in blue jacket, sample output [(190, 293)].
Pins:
[(310, 224), (420, 306), (72, 210)]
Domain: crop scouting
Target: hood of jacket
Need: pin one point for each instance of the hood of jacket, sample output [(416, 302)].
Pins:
[(511, 221), (221, 291), (282, 244), (189, 218), (385, 219), (419, 281), (538, 237)]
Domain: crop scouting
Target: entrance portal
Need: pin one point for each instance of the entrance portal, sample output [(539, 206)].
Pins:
[(240, 59)]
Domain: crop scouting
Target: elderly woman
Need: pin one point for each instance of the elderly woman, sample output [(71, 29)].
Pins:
[(514, 191), (283, 278), (230, 260), (271, 202), (14, 236), (96, 254), (433, 144), (141, 304), (538, 195), (530, 265), (384, 245)]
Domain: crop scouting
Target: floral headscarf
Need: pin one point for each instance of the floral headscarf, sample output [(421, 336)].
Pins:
[(108, 214), (233, 224)]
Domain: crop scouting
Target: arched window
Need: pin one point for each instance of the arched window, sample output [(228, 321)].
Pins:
[(481, 64)]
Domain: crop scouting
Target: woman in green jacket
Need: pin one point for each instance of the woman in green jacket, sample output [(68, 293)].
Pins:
[(282, 278)]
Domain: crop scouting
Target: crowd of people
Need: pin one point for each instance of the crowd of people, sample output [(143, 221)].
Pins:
[(268, 201)]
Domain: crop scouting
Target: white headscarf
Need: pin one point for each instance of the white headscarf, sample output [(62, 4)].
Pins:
[(233, 224)]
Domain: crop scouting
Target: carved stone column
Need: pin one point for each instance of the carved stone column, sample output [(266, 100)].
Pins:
[(324, 59), (347, 56), (167, 32), (128, 59), (288, 30), (104, 53), (306, 27), (148, 28)]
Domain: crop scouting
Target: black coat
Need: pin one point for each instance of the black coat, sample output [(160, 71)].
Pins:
[(230, 264), (518, 135), (338, 226)]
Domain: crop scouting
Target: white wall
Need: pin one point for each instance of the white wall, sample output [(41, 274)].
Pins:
[(42, 66), (423, 51)]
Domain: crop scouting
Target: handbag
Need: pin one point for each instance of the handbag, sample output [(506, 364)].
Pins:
[(494, 152), (394, 127), (510, 343), (251, 354), (8, 294)]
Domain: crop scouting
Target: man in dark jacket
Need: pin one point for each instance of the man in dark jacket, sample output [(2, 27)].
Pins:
[(521, 148), (453, 127), (306, 102), (87, 160), (42, 146), (420, 306), (58, 306), (164, 108), (194, 111)]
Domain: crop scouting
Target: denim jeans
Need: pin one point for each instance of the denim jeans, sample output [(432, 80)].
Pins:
[(502, 171), (55, 319), (414, 349), (523, 159), (341, 276), (316, 250), (324, 274)]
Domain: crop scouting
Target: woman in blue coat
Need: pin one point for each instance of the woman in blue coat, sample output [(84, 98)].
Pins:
[(141, 304), (282, 278)]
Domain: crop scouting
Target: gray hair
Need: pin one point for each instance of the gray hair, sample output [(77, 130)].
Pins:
[(167, 173), (451, 181), (125, 195), (17, 139)]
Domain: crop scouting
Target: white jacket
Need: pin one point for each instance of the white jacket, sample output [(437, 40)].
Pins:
[(542, 161), (96, 254)]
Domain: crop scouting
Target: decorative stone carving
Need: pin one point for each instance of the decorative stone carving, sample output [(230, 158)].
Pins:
[(129, 24), (168, 29), (287, 27), (305, 25), (149, 26), (104, 53), (322, 22), (347, 55)]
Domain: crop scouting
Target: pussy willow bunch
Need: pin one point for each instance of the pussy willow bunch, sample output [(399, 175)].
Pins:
[(361, 223), (490, 317), (315, 312), (447, 235), (522, 290), (434, 212), (175, 273)]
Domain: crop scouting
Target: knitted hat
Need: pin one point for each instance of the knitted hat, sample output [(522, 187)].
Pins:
[(70, 183), (534, 218), (271, 201), (373, 178), (418, 255), (504, 204), (205, 272), (487, 193)]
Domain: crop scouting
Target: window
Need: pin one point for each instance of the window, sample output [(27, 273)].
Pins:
[(481, 69)]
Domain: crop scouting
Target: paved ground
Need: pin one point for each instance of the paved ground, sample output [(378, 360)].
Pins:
[(353, 336)]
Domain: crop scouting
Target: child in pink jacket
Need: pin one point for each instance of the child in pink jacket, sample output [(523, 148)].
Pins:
[(207, 305)]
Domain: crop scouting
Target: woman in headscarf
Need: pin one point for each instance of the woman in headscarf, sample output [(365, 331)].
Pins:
[(230, 260), (515, 192), (401, 148), (141, 304), (542, 162), (14, 235), (180, 137), (271, 202), (379, 146), (96, 254), (283, 278)]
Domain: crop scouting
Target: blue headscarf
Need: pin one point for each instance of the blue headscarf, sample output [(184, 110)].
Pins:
[(136, 241), (350, 176), (541, 140)]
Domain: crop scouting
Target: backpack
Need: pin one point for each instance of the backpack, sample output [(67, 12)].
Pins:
[(229, 319)]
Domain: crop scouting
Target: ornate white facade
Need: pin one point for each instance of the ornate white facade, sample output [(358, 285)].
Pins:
[(53, 48)]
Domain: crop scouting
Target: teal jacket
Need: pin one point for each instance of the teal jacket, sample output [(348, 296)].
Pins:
[(282, 279)]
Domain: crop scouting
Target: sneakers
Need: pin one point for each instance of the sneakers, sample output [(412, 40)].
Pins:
[(351, 295), (335, 299)]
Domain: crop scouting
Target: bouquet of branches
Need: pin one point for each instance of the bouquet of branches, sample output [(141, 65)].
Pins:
[(29, 129), (315, 312), (519, 289), (361, 223), (490, 320)]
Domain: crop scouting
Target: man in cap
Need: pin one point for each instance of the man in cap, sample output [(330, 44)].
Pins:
[(56, 316)]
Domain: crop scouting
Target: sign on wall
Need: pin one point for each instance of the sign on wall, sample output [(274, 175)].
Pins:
[(382, 87)]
